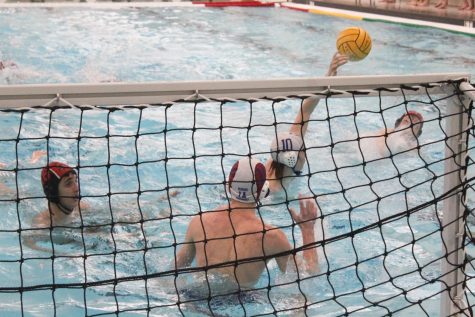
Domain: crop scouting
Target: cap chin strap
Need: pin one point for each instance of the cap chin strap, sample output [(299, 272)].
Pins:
[(296, 172), (265, 191), (65, 210)]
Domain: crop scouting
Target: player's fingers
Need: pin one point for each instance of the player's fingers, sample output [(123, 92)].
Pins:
[(301, 204), (294, 215)]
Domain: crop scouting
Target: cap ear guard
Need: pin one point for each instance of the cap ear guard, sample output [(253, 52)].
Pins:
[(265, 191), (51, 190), (289, 158)]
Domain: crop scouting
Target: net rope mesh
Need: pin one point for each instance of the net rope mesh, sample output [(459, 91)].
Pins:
[(145, 170)]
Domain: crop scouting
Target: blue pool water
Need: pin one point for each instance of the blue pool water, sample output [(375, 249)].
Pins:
[(148, 44), (80, 45)]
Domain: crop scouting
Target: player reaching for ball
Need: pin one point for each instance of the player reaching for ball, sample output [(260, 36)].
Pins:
[(287, 149), (288, 155)]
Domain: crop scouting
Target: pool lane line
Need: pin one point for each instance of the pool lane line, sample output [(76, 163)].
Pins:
[(114, 5), (337, 14), (235, 4), (100, 5), (370, 17)]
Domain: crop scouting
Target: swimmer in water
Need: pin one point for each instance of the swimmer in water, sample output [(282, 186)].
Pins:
[(386, 142), (235, 232), (61, 188), (287, 148)]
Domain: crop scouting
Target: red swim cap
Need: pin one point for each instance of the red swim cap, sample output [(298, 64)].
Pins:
[(51, 176)]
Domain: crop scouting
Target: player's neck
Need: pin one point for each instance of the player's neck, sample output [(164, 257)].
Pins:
[(59, 212), (242, 207)]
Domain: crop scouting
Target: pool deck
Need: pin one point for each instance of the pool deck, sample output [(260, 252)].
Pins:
[(403, 9)]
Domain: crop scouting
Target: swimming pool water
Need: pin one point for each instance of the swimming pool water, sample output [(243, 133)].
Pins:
[(125, 207), (175, 43), (79, 45)]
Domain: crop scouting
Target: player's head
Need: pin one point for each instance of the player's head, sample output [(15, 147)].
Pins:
[(410, 119), (60, 185), (286, 149), (247, 181)]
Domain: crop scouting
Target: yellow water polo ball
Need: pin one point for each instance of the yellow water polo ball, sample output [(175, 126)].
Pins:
[(354, 42)]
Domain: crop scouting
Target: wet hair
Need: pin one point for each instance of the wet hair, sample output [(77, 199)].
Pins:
[(278, 168)]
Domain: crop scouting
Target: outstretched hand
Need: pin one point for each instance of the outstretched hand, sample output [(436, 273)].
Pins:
[(308, 214), (337, 61)]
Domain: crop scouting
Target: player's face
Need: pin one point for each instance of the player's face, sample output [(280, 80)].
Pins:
[(68, 190)]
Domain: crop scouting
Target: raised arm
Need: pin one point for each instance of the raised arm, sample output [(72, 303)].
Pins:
[(277, 243), (306, 221), (309, 104)]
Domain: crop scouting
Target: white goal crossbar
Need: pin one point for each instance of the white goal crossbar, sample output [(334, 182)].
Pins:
[(12, 96)]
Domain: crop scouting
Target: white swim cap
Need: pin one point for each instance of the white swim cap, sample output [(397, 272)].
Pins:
[(247, 180), (285, 148)]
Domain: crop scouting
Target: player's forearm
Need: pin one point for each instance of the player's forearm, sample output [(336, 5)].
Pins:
[(301, 121), (309, 105)]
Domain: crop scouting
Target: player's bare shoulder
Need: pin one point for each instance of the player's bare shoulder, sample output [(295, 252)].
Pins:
[(275, 239)]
